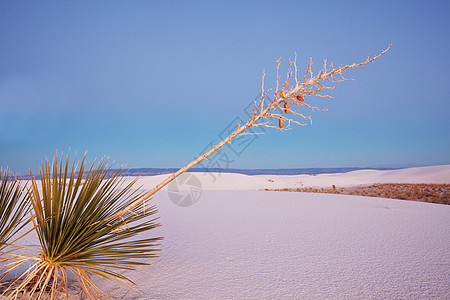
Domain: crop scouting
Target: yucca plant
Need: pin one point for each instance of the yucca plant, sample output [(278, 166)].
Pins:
[(84, 227), (13, 209), (73, 219)]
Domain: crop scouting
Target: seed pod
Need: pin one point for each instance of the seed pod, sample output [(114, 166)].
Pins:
[(281, 122), (300, 98), (286, 108), (282, 94)]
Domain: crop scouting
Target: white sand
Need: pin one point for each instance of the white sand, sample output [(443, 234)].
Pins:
[(239, 243), (281, 245), (277, 245)]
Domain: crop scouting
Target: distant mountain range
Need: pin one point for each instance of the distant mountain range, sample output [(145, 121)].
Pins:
[(309, 171), (298, 171)]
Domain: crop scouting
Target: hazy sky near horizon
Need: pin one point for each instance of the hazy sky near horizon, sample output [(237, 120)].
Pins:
[(153, 83)]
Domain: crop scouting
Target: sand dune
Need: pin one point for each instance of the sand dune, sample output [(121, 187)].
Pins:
[(249, 244), (230, 181), (280, 245)]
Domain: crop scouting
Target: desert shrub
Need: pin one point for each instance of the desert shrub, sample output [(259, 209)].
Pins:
[(78, 234), (435, 193)]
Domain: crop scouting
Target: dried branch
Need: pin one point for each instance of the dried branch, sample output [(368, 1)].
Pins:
[(312, 85)]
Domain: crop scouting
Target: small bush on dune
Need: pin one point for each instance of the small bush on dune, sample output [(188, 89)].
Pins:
[(434, 193)]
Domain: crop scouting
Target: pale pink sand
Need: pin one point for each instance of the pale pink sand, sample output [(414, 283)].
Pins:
[(278, 245), (248, 244)]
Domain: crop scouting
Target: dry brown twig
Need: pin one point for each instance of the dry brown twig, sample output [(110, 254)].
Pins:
[(292, 97)]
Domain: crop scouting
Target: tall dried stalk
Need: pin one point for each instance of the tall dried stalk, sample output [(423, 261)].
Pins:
[(290, 94)]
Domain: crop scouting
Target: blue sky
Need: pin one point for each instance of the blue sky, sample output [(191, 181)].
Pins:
[(152, 83)]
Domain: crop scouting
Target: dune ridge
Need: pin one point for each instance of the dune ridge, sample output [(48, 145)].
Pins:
[(233, 181)]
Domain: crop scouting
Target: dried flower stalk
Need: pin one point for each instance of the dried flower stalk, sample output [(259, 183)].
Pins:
[(292, 93)]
